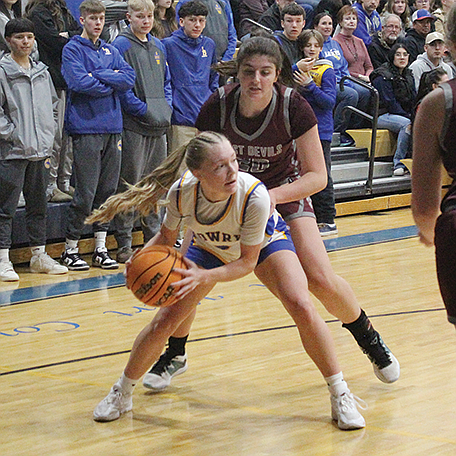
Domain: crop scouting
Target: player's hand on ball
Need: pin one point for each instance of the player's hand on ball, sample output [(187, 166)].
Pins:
[(128, 264), (192, 277)]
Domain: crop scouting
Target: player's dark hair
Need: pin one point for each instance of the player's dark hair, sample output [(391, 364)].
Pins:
[(19, 25), (293, 9), (262, 44), (258, 45), (193, 8)]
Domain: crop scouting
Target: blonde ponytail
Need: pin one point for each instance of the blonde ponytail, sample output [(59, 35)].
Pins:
[(147, 194)]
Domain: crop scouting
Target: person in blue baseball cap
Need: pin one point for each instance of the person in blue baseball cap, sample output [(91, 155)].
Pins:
[(415, 38)]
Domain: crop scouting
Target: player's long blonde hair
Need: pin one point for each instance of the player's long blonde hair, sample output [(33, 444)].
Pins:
[(148, 193)]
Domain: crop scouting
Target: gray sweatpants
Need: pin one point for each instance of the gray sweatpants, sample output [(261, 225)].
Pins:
[(96, 168), (62, 154), (30, 177), (140, 156)]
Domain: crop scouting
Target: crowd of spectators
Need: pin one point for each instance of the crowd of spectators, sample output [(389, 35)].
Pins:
[(126, 92)]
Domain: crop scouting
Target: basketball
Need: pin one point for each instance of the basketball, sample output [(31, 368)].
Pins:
[(150, 274)]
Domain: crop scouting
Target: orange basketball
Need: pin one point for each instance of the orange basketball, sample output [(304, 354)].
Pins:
[(150, 275)]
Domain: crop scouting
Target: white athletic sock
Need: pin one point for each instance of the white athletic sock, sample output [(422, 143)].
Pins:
[(71, 245), (38, 250), (126, 384), (337, 385), (100, 240), (4, 255)]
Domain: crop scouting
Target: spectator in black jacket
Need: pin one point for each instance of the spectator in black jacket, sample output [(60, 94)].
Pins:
[(384, 40), (54, 26), (293, 21), (416, 37), (395, 85), (271, 17), (250, 9)]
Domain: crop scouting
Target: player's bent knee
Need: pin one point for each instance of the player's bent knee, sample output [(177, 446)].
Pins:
[(324, 281), (301, 309)]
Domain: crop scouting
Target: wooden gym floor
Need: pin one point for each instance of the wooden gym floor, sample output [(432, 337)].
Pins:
[(250, 389)]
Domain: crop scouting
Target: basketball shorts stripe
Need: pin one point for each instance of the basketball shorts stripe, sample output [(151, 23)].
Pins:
[(207, 260)]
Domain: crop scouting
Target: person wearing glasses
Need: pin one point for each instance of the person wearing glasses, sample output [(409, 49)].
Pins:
[(396, 88), (383, 42)]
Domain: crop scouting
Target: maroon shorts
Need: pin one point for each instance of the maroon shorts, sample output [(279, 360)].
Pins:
[(296, 209), (445, 253)]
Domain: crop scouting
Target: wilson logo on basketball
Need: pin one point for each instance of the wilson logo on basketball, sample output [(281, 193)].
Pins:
[(166, 295), (146, 287), (151, 275)]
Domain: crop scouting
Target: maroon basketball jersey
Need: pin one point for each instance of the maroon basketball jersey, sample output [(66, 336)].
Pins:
[(448, 142), (265, 144)]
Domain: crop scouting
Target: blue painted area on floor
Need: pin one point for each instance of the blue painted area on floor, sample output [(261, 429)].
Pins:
[(374, 237), (77, 286), (57, 290)]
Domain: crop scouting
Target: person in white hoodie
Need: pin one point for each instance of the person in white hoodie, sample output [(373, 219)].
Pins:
[(431, 58)]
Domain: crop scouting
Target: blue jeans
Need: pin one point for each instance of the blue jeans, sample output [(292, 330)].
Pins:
[(358, 97), (364, 104), (401, 126)]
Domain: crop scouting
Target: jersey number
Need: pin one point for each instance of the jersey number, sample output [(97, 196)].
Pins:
[(253, 165)]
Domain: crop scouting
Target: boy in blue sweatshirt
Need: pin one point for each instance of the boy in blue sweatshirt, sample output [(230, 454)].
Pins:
[(190, 57), (219, 26), (146, 113), (369, 21), (95, 73)]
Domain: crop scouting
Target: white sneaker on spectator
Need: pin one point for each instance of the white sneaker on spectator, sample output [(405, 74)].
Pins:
[(7, 272), (44, 264), (399, 171)]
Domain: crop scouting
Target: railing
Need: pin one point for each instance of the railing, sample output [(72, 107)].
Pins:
[(256, 24), (373, 119)]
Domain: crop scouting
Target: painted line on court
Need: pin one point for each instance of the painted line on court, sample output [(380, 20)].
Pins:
[(74, 287), (201, 339)]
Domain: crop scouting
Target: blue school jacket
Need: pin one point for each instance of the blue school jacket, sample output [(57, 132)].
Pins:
[(192, 79), (93, 105)]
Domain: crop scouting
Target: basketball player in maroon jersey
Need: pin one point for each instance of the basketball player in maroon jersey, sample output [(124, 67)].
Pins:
[(434, 139), (274, 133), (214, 196)]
